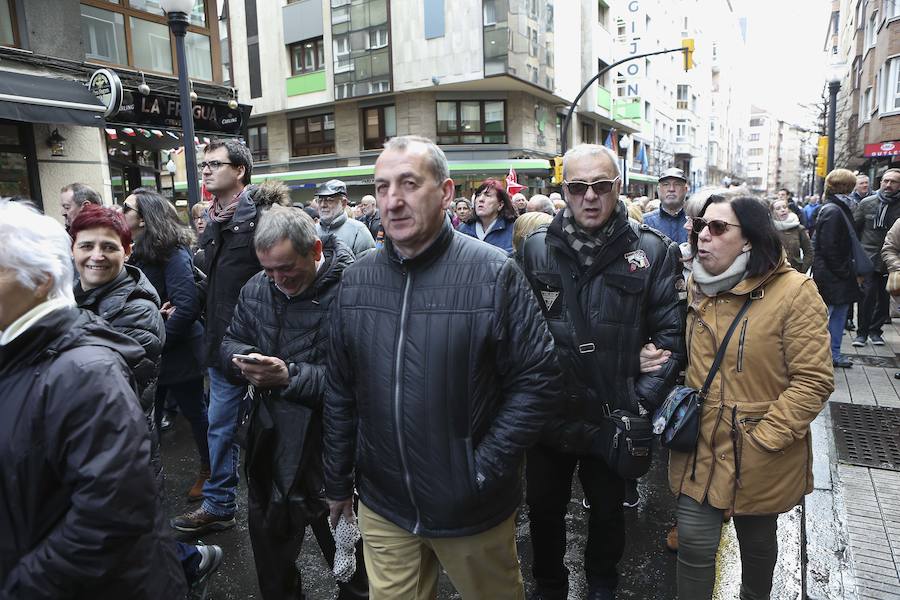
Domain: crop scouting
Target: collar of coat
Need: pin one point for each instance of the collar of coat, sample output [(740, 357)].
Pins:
[(745, 286), (426, 257)]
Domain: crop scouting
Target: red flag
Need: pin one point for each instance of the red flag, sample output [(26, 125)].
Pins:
[(512, 187)]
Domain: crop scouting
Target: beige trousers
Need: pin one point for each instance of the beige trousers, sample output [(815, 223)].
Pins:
[(403, 566)]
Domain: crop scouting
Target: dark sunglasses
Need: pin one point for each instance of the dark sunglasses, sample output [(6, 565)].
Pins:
[(716, 226), (579, 188)]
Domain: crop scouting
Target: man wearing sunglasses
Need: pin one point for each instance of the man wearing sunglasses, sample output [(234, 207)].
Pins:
[(670, 218), (627, 282)]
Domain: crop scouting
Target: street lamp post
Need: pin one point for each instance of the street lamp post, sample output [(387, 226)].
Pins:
[(835, 74), (178, 11)]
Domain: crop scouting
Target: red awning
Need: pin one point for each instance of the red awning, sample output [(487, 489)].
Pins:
[(883, 149)]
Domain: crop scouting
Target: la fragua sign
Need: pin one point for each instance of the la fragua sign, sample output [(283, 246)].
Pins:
[(161, 110)]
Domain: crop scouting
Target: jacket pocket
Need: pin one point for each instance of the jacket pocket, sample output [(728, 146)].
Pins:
[(621, 300)]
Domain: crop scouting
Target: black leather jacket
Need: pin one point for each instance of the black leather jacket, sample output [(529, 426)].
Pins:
[(441, 372), (626, 305), (284, 445)]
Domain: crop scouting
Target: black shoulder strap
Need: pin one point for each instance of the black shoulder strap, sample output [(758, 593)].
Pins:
[(720, 355)]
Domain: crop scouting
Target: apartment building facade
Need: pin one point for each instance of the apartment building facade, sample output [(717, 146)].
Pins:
[(864, 37), (120, 134), (780, 155), (331, 80)]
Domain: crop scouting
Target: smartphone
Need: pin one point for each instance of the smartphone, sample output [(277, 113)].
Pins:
[(247, 359)]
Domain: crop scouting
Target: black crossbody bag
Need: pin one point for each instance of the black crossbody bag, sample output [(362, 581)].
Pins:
[(677, 421), (627, 436)]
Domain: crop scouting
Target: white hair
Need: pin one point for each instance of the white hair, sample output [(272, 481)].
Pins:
[(593, 150), (35, 247)]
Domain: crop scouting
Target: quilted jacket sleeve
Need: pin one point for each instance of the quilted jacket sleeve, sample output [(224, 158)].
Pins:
[(807, 354), (241, 332), (339, 412), (664, 325), (890, 252), (98, 441), (529, 375)]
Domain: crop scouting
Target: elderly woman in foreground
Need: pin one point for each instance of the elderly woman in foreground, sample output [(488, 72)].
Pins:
[(753, 458)]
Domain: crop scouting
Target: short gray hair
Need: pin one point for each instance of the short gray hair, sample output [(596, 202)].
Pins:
[(36, 247), (367, 198), (82, 193), (540, 203), (593, 150), (283, 223), (435, 158)]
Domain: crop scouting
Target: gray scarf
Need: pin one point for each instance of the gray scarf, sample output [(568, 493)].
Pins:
[(885, 201), (712, 285), (790, 222)]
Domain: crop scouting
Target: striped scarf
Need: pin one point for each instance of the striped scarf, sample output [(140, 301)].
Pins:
[(587, 245), (220, 215)]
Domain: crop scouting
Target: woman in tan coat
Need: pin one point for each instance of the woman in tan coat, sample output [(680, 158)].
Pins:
[(753, 458)]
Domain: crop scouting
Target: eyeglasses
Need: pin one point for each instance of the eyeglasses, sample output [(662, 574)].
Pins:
[(214, 165), (601, 186), (716, 226), (126, 209)]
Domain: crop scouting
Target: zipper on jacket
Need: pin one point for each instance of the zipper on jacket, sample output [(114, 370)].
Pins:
[(740, 355), (398, 424)]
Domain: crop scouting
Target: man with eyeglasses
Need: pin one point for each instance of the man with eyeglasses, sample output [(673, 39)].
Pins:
[(229, 261), (331, 197), (627, 282), (670, 218)]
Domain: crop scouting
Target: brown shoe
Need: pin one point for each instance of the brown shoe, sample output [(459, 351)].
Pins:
[(672, 539), (195, 494), (199, 521)]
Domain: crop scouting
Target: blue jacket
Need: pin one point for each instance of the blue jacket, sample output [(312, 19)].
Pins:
[(671, 226), (500, 236)]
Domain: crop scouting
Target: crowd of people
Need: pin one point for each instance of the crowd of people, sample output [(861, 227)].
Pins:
[(405, 373)]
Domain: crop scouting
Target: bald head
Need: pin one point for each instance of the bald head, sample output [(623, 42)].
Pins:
[(540, 203)]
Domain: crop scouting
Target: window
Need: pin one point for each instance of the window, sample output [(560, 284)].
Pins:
[(587, 133), (341, 47), (308, 56), (136, 33), (258, 142), (489, 12), (312, 135), (891, 79), (891, 9), (754, 137), (872, 29), (532, 42), (620, 28), (471, 122), (755, 152), (379, 125), (866, 105), (681, 130), (378, 38), (602, 13), (533, 8), (8, 24), (756, 122), (682, 102)]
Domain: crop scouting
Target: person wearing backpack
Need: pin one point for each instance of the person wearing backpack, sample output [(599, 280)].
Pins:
[(833, 269)]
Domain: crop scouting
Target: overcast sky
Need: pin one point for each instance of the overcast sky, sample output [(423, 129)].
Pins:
[(785, 45)]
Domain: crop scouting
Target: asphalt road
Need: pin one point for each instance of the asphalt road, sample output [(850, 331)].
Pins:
[(647, 570)]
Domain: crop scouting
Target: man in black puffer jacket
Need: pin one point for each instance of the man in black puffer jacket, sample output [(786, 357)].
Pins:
[(628, 280), (441, 372), (280, 321)]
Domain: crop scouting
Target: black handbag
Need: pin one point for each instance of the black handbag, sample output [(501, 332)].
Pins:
[(860, 261), (627, 438), (677, 421)]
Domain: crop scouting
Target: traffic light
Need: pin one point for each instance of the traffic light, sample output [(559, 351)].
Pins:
[(557, 170), (688, 46), (822, 157)]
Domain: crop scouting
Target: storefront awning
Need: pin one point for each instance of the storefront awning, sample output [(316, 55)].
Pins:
[(642, 178), (36, 99), (366, 173)]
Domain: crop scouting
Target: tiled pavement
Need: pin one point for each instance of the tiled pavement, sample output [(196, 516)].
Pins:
[(868, 500)]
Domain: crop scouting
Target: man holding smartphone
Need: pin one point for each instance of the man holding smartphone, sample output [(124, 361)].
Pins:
[(276, 342)]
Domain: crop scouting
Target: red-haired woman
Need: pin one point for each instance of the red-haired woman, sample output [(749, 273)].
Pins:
[(494, 216)]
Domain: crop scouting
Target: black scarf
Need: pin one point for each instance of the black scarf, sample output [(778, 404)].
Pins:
[(885, 201)]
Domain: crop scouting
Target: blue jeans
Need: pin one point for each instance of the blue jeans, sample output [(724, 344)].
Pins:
[(225, 399), (837, 318)]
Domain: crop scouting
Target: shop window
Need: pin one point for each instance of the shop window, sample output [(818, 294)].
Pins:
[(312, 135), (471, 122), (379, 125), (8, 29), (258, 142), (135, 33), (307, 56)]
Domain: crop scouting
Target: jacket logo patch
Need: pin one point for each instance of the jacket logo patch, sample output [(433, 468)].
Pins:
[(549, 298), (637, 260)]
